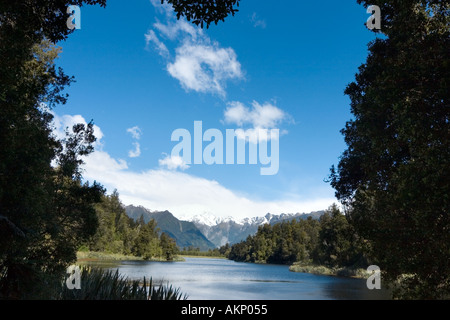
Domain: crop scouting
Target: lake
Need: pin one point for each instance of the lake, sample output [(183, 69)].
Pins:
[(221, 279)]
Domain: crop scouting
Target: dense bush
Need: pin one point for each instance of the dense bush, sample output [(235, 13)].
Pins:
[(330, 241)]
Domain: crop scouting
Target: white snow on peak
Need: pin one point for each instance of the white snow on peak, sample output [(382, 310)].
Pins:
[(209, 219)]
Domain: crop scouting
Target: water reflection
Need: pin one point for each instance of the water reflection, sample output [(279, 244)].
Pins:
[(219, 279), (353, 289)]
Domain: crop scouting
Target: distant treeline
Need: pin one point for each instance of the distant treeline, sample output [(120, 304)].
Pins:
[(216, 252), (118, 233), (330, 241)]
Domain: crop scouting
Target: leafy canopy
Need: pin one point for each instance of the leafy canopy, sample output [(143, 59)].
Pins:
[(46, 210), (204, 11), (394, 175)]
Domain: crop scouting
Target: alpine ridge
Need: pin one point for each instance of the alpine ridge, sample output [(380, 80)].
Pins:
[(221, 231), (185, 233), (206, 231)]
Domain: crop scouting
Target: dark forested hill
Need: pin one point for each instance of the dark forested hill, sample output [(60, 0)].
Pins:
[(185, 233)]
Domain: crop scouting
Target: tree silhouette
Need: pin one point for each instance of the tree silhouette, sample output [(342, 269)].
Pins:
[(46, 211), (203, 12), (394, 175)]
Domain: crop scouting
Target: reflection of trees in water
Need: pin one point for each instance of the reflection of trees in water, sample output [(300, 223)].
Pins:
[(354, 289)]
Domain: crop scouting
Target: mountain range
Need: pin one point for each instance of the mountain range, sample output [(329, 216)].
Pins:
[(221, 231), (185, 233), (206, 231)]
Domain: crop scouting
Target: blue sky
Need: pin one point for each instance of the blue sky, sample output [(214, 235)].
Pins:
[(141, 74)]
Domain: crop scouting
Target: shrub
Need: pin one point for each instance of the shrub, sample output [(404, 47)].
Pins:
[(99, 284)]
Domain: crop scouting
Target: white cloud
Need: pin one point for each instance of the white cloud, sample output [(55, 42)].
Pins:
[(257, 135), (180, 193), (136, 152), (255, 122), (62, 123), (199, 64), (266, 115), (184, 194), (101, 164), (135, 132), (173, 163), (160, 46), (174, 29), (204, 68), (237, 113), (258, 22)]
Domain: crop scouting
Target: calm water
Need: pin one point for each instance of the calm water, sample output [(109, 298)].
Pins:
[(219, 279)]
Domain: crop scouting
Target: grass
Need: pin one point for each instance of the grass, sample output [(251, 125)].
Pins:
[(99, 284), (85, 256), (100, 256), (322, 270)]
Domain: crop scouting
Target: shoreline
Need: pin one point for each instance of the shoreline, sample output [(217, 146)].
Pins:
[(320, 270), (93, 256), (201, 257)]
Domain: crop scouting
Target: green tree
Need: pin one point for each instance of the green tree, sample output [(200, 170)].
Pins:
[(394, 176), (125, 232), (120, 227), (147, 243), (225, 250), (46, 211), (312, 229), (282, 243), (168, 246), (339, 244), (113, 232)]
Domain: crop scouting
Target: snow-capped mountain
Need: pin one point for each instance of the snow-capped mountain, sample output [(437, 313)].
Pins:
[(211, 220), (207, 231), (221, 231), (208, 219)]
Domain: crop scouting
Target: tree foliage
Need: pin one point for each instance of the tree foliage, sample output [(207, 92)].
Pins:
[(394, 175), (118, 233), (339, 244), (202, 12), (46, 210), (39, 19), (329, 241), (168, 246)]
